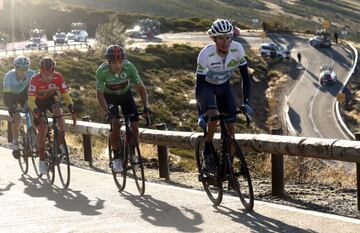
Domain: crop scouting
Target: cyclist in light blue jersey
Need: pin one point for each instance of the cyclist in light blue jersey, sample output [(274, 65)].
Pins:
[(215, 65), (15, 87)]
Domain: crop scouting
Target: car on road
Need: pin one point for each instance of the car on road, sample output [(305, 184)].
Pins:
[(273, 50), (36, 42), (77, 35), (320, 41), (60, 38), (327, 74)]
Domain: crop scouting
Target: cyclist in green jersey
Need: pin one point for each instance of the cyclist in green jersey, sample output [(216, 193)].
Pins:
[(114, 79)]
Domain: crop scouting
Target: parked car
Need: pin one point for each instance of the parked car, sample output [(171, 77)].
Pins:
[(320, 41), (60, 38), (77, 35), (273, 50), (327, 74), (36, 42)]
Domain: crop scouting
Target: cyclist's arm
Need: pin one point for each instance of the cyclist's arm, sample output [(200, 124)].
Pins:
[(32, 95), (102, 101), (141, 90), (246, 82)]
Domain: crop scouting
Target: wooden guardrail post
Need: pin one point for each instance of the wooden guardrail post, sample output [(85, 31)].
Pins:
[(9, 131), (357, 137), (163, 156), (277, 169), (87, 144)]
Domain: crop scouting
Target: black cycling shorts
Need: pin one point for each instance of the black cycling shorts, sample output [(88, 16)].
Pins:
[(13, 100), (47, 104), (125, 101), (220, 97)]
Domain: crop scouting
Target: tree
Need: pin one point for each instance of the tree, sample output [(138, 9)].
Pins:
[(111, 32)]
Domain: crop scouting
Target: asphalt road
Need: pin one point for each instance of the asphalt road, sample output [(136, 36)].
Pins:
[(92, 204)]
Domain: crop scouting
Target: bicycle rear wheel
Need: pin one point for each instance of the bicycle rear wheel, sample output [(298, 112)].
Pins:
[(240, 175), (136, 165), (49, 159), (62, 161), (32, 143), (212, 185), (22, 153), (119, 177)]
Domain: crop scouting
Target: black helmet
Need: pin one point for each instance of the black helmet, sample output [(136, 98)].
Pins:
[(47, 65), (115, 53)]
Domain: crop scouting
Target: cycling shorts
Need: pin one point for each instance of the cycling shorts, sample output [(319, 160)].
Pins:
[(14, 100), (125, 101), (219, 97), (48, 103)]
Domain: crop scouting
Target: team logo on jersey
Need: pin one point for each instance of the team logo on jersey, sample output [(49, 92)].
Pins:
[(200, 67), (32, 88), (232, 63), (64, 86)]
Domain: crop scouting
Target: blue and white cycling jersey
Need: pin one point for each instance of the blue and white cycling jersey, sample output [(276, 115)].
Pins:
[(218, 69), (11, 83)]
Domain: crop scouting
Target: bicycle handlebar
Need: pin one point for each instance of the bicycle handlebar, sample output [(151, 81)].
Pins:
[(223, 116)]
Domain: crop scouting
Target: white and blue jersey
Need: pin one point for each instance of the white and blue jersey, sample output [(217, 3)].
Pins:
[(216, 68), (13, 85)]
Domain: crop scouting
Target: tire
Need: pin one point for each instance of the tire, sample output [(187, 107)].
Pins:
[(212, 185), (23, 153), (119, 178), (32, 142), (50, 165), (62, 162), (136, 164), (240, 176)]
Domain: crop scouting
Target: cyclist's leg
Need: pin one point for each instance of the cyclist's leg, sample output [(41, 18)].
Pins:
[(57, 111), (207, 105), (10, 101), (113, 106), (42, 105), (128, 107)]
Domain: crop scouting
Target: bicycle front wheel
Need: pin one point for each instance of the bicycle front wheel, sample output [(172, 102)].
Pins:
[(61, 156), (119, 177), (137, 166), (50, 166), (212, 185), (22, 153), (32, 145), (240, 175)]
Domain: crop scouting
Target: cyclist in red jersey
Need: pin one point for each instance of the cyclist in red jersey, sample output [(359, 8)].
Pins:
[(43, 96)]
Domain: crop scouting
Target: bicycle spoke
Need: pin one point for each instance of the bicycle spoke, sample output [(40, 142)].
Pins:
[(119, 177), (137, 168), (62, 162), (22, 153)]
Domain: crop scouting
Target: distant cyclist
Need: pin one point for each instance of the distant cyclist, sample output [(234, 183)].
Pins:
[(16, 83), (43, 96), (215, 65), (114, 79)]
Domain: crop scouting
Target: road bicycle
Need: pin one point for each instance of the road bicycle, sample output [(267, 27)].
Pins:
[(56, 150), (27, 144), (232, 171), (132, 159)]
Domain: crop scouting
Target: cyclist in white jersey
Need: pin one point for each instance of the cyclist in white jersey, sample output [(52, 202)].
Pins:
[(215, 65), (15, 87)]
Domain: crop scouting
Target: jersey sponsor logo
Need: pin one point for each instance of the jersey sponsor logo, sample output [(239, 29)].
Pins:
[(200, 67), (215, 63), (232, 63), (117, 86), (32, 88), (64, 86)]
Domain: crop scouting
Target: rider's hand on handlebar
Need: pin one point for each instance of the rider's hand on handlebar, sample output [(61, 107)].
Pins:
[(148, 115), (248, 111), (73, 113)]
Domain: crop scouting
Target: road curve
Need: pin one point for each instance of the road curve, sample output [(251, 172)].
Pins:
[(92, 204)]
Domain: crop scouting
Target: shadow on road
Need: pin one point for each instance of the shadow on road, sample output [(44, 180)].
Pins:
[(7, 188), (68, 200), (295, 119), (162, 214), (259, 223)]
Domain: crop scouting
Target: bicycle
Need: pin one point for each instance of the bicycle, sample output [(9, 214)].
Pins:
[(54, 156), (231, 167), (27, 144), (132, 159)]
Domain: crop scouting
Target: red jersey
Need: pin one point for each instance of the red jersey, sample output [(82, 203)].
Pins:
[(42, 90)]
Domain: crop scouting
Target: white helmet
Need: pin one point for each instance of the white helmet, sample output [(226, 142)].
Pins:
[(22, 61), (221, 27)]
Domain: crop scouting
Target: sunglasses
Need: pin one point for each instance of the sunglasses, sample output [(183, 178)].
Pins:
[(21, 69)]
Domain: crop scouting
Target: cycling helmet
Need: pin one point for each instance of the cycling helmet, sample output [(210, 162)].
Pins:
[(47, 65), (115, 53), (221, 27), (21, 61)]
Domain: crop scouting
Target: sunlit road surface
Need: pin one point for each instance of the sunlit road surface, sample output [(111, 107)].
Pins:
[(92, 204)]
